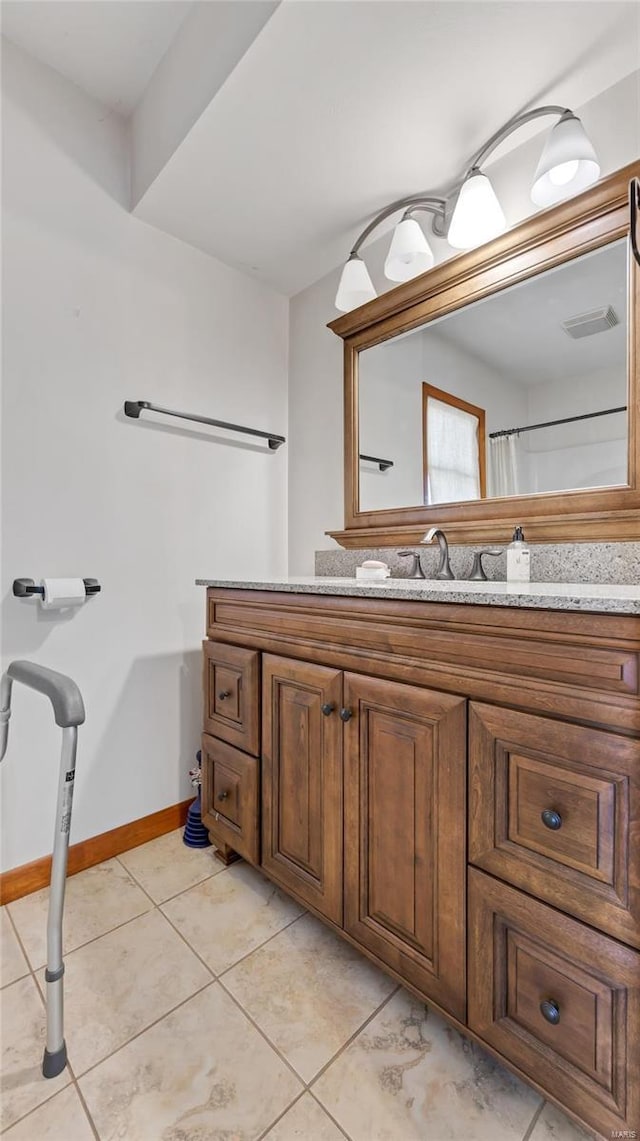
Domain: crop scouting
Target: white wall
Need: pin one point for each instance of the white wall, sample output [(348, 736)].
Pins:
[(100, 308), (590, 453), (390, 407), (390, 419), (315, 377), (207, 47), (316, 461)]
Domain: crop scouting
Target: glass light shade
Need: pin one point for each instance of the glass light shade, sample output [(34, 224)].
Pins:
[(409, 252), (568, 163), (355, 286), (478, 215)]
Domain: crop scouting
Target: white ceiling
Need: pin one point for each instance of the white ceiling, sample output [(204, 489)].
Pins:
[(109, 48), (338, 108), (519, 333), (335, 108)]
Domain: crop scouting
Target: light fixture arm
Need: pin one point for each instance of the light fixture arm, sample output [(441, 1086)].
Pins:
[(470, 214), (441, 213), (441, 208), (433, 205), (518, 121)]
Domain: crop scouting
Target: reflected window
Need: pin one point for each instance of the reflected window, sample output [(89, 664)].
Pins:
[(453, 447)]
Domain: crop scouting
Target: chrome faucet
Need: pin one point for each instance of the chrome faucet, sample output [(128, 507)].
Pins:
[(444, 568)]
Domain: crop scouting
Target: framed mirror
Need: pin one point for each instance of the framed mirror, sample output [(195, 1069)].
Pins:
[(501, 387)]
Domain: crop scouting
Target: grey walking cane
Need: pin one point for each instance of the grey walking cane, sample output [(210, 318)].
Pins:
[(68, 710)]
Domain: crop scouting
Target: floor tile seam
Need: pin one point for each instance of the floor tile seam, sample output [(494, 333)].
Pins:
[(177, 894), (42, 989), (86, 1109), (74, 1082), (40, 994), (329, 1114), (30, 969), (352, 1037), (259, 946), (33, 1109), (144, 1029), (264, 1035), (94, 939), (534, 1121), (135, 880), (19, 979), (214, 977), (307, 1084), (278, 1119)]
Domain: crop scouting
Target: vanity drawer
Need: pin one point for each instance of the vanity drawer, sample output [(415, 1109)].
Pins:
[(230, 797), (552, 806), (232, 695), (558, 999)]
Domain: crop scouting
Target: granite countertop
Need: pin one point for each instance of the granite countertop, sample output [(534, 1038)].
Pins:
[(601, 598)]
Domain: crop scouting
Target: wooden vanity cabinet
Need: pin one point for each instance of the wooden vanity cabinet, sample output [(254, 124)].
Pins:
[(360, 779), (554, 807), (405, 865), (302, 781), (230, 799), (514, 906), (559, 999)]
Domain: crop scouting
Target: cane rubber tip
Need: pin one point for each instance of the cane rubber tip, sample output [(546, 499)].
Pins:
[(54, 1063)]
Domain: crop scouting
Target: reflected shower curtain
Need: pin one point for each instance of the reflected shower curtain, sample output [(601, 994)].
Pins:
[(503, 465)]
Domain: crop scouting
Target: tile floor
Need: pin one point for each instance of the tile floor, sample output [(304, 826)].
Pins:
[(202, 1004)]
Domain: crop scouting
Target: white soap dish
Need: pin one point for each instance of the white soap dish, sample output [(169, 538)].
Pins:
[(373, 570)]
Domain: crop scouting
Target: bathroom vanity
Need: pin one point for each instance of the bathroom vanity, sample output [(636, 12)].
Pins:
[(449, 776), (449, 773)]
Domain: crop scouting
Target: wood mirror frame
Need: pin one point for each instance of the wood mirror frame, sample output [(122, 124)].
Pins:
[(547, 239)]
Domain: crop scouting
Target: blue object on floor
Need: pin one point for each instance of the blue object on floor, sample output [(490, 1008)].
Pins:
[(195, 834)]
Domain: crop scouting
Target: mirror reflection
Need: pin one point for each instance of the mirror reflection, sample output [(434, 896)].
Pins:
[(519, 393)]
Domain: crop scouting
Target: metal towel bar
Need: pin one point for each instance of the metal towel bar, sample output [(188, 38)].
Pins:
[(133, 408)]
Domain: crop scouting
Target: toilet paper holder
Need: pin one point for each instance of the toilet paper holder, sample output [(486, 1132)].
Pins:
[(25, 587)]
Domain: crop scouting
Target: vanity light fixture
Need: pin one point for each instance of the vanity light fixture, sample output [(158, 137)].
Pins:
[(471, 214)]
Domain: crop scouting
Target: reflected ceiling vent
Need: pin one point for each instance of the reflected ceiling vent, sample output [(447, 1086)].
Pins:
[(586, 324)]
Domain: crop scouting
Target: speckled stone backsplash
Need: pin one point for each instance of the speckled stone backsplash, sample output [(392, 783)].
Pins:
[(550, 562)]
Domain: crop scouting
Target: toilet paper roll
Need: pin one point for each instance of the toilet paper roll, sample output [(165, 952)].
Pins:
[(60, 592)]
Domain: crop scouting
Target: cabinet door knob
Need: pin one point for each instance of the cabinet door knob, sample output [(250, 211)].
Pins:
[(346, 714), (327, 708), (223, 795), (550, 1010), (224, 693), (551, 819)]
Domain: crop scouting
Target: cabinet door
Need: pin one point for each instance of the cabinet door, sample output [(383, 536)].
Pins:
[(302, 781), (405, 783), (231, 683), (230, 797), (552, 810), (558, 999)]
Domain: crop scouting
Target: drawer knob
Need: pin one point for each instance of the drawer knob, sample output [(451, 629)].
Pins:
[(551, 819), (327, 708), (223, 795), (345, 714), (224, 693), (550, 1010)]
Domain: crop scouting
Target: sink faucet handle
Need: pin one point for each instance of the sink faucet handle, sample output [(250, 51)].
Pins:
[(477, 571), (415, 570)]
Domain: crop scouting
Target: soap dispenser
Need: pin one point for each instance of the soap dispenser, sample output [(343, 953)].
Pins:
[(518, 558)]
